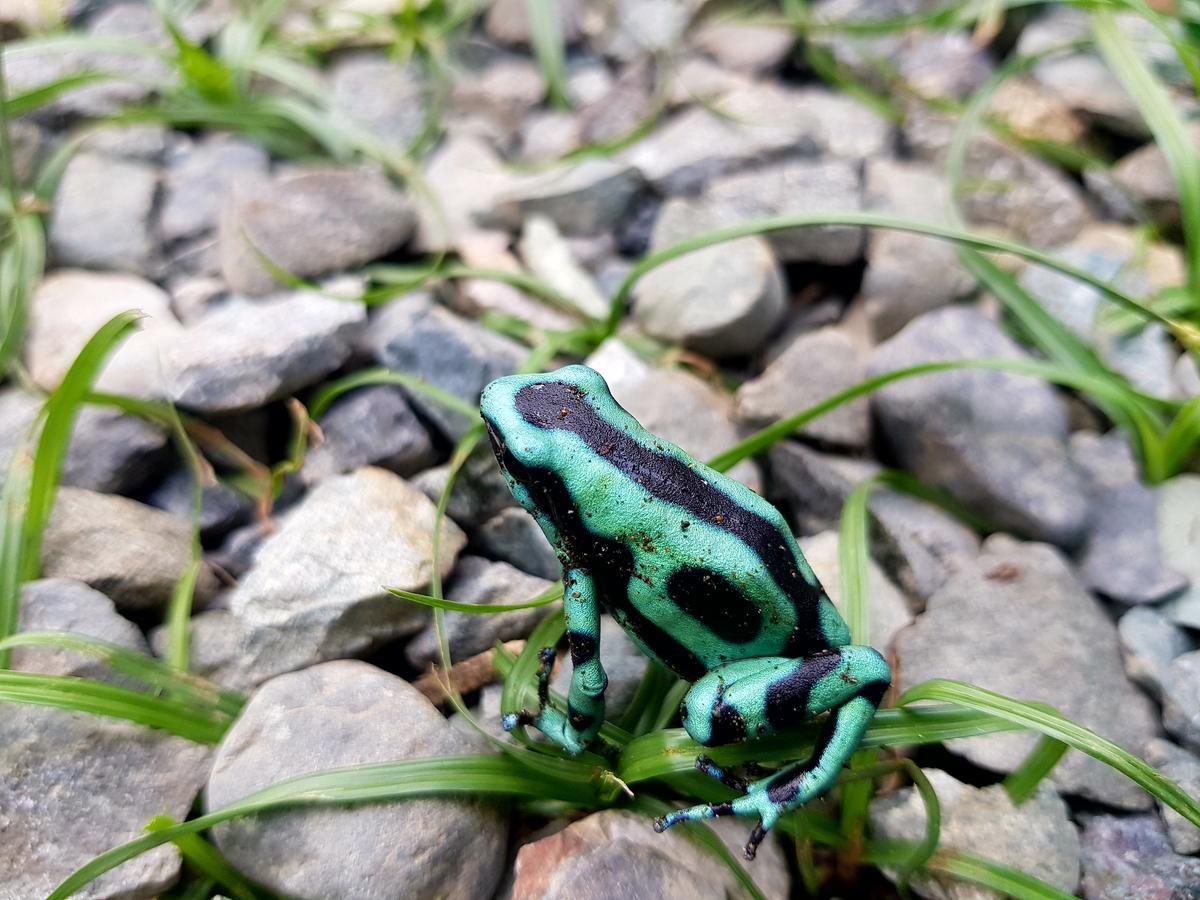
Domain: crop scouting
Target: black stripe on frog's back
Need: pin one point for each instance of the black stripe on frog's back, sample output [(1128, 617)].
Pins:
[(608, 563), (558, 405)]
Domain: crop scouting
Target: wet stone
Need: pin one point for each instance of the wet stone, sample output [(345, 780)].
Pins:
[(513, 536)]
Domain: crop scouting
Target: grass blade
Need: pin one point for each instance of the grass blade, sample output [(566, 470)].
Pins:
[(545, 598), (854, 562), (966, 867), (456, 776), (207, 859), (59, 419), (1165, 124), (545, 27), (32, 100), (873, 220), (1048, 722), (1022, 782), (97, 698), (324, 398)]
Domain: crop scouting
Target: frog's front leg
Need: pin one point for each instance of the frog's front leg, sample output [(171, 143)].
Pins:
[(585, 701), (753, 698)]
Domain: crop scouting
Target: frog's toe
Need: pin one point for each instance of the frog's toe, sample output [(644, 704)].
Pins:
[(693, 814)]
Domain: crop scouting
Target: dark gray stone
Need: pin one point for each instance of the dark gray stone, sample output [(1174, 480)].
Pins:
[(615, 853), (479, 580), (309, 221), (61, 604), (995, 441), (480, 490), (1184, 769), (246, 354), (814, 485), (101, 217), (74, 785), (724, 300), (1150, 642), (316, 590), (351, 713), (370, 426), (1036, 838), (1122, 557), (1130, 857), (1037, 634), (222, 508), (1181, 699), (811, 368), (513, 536), (414, 335), (796, 187), (112, 452), (198, 181), (220, 650), (131, 552)]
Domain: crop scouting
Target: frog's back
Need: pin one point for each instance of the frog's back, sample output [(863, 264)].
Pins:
[(697, 567)]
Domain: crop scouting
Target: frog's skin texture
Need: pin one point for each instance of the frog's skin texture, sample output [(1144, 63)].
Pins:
[(703, 574)]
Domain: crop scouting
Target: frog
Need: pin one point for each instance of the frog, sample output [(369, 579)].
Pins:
[(701, 572)]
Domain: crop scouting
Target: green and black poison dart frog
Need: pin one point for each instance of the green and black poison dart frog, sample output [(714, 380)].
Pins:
[(701, 572)]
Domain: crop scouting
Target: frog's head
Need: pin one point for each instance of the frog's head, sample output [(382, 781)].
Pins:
[(530, 419)]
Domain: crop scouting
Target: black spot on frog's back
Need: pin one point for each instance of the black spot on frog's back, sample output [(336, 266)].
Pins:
[(716, 603)]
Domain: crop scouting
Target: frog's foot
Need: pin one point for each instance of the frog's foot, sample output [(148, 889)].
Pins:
[(548, 720)]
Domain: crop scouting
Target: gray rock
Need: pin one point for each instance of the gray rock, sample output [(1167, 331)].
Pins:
[(745, 46), (415, 335), (548, 255), (477, 297), (1036, 634), (752, 124), (382, 96), (1181, 699), (346, 217), (1145, 356), (1082, 79), (146, 142), (60, 604), (316, 588), (1121, 558), (351, 713), (623, 662), (246, 354), (795, 187), (1146, 177), (1128, 857), (673, 404), (724, 300), (813, 367), (480, 490), (131, 552), (888, 608), (197, 184), (75, 785), (907, 274), (134, 74), (464, 177), (995, 441), (101, 217), (479, 580), (497, 93), (1179, 535), (590, 197), (222, 508), (112, 452), (1149, 643), (1036, 838), (615, 853), (633, 29), (220, 650), (1187, 377), (814, 485), (27, 139), (1184, 769), (69, 306), (513, 536), (370, 426), (627, 102), (549, 135)]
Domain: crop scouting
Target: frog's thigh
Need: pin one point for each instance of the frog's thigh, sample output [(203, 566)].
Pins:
[(752, 698)]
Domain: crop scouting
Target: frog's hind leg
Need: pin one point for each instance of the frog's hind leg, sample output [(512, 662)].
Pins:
[(749, 699)]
